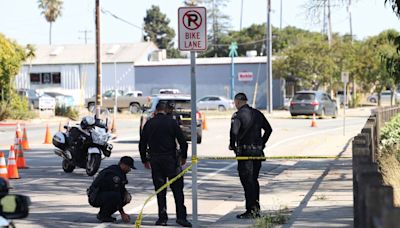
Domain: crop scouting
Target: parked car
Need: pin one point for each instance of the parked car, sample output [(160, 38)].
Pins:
[(37, 101), (182, 113), (215, 103), (169, 91), (136, 93), (62, 100), (385, 97), (124, 101), (309, 102)]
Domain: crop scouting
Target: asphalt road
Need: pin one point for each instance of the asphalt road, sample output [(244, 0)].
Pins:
[(59, 199)]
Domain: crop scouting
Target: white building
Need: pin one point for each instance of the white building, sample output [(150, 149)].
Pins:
[(70, 69)]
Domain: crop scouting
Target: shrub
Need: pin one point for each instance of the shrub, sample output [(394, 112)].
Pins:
[(69, 112), (15, 108), (390, 134)]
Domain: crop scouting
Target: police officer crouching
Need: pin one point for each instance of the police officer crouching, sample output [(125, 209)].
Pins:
[(159, 136), (108, 190), (246, 140)]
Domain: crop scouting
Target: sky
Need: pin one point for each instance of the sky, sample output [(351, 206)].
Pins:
[(21, 20)]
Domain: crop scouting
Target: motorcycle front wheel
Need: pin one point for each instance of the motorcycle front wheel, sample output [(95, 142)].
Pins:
[(93, 164), (67, 166)]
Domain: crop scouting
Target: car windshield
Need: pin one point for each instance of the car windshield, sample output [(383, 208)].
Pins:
[(304, 96), (178, 104), (32, 94)]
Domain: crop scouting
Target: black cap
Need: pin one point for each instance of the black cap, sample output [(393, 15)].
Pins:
[(241, 97), (127, 161)]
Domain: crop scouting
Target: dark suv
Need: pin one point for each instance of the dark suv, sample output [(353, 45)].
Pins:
[(181, 112), (309, 102)]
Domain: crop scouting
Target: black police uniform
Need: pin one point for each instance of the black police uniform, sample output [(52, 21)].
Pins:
[(111, 183), (246, 140), (160, 135)]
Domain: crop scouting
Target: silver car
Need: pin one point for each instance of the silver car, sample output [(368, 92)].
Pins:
[(215, 103), (385, 97), (309, 102)]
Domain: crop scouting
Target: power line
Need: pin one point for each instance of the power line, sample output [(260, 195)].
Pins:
[(239, 44), (121, 19)]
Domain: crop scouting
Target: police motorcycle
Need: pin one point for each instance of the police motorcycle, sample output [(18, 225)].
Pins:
[(83, 145)]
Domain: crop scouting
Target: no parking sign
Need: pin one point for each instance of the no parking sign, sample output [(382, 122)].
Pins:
[(192, 28)]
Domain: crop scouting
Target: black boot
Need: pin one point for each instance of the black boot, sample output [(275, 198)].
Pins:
[(184, 222)]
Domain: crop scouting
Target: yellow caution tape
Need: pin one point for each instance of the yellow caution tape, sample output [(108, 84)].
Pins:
[(195, 160), (140, 216), (243, 158)]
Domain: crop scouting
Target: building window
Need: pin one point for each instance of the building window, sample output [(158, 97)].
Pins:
[(35, 78), (46, 78), (56, 78)]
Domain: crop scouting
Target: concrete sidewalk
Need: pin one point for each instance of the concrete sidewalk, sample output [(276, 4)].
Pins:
[(318, 193)]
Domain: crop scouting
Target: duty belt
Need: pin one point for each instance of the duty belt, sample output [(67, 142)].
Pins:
[(250, 147)]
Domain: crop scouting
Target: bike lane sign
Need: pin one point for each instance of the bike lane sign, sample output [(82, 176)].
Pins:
[(192, 28)]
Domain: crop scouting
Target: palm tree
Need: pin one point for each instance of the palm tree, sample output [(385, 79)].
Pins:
[(51, 9), (30, 54)]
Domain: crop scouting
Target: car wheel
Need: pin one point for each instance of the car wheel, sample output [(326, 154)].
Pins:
[(221, 108), (134, 108), (91, 107), (372, 100), (293, 115)]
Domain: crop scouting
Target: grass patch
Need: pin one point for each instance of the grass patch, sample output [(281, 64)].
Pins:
[(390, 168), (320, 197), (272, 219)]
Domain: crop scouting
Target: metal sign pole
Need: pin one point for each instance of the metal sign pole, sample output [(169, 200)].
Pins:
[(344, 107), (194, 135)]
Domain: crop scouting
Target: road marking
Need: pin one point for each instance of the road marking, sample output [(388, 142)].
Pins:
[(306, 135)]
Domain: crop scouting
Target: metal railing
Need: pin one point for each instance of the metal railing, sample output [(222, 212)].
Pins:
[(373, 200)]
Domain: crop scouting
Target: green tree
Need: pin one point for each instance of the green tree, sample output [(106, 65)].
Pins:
[(156, 27), (11, 57), (372, 62), (309, 61), (30, 54), (51, 9), (395, 4)]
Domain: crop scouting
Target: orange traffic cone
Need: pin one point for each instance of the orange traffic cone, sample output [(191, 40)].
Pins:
[(19, 153), (47, 137), (204, 123), (25, 143), (12, 165), (3, 167), (113, 127), (314, 121), (18, 133)]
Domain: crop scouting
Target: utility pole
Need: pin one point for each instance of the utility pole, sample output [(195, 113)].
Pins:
[(269, 58), (241, 15), (329, 24), (98, 61), (280, 23), (85, 34)]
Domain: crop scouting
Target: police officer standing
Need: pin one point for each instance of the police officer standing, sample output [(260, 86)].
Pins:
[(108, 190), (246, 139), (160, 135)]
